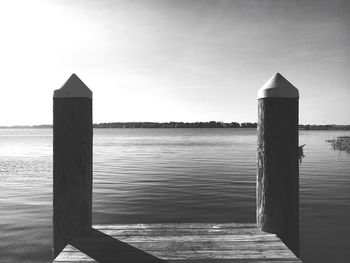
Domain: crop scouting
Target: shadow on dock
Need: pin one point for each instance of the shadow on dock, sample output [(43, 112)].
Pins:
[(177, 243), (104, 248)]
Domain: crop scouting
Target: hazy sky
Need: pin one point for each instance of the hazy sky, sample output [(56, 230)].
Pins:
[(174, 60)]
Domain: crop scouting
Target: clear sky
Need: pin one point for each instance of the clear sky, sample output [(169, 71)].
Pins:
[(174, 60)]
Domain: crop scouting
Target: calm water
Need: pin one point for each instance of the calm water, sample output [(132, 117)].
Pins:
[(170, 175)]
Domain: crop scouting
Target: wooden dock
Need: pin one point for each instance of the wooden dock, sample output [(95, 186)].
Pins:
[(277, 206), (182, 242)]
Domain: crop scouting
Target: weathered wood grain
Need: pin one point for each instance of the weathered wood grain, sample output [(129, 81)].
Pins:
[(182, 231), (197, 238), (72, 170), (278, 169), (234, 261), (207, 245), (177, 226), (196, 255), (181, 243)]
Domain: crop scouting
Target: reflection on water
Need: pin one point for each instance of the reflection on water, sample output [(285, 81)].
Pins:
[(170, 175), (174, 176)]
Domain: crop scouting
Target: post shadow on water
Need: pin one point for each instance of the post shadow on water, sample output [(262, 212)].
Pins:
[(104, 248)]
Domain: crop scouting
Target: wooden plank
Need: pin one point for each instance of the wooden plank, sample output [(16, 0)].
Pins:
[(197, 255), (270, 237), (250, 260), (182, 232), (203, 243), (71, 254), (210, 245), (226, 254), (176, 226)]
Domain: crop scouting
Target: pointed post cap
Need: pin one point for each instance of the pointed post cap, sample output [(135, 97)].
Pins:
[(278, 87), (73, 88)]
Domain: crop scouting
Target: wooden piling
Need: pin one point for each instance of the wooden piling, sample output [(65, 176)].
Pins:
[(277, 161), (72, 162)]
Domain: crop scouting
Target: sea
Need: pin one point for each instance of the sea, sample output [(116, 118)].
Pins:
[(170, 175)]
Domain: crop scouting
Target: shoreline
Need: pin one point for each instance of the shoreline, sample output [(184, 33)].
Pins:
[(183, 125)]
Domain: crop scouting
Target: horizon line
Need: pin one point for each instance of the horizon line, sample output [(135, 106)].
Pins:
[(159, 122)]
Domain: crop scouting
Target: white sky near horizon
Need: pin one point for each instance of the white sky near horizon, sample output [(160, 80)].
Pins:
[(174, 60)]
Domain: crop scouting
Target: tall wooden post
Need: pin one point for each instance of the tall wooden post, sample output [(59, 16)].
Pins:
[(72, 162), (277, 161)]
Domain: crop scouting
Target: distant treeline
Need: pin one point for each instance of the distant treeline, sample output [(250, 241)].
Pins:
[(42, 126), (324, 127), (210, 124)]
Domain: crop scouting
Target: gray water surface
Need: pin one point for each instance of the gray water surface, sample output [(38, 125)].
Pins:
[(170, 175)]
